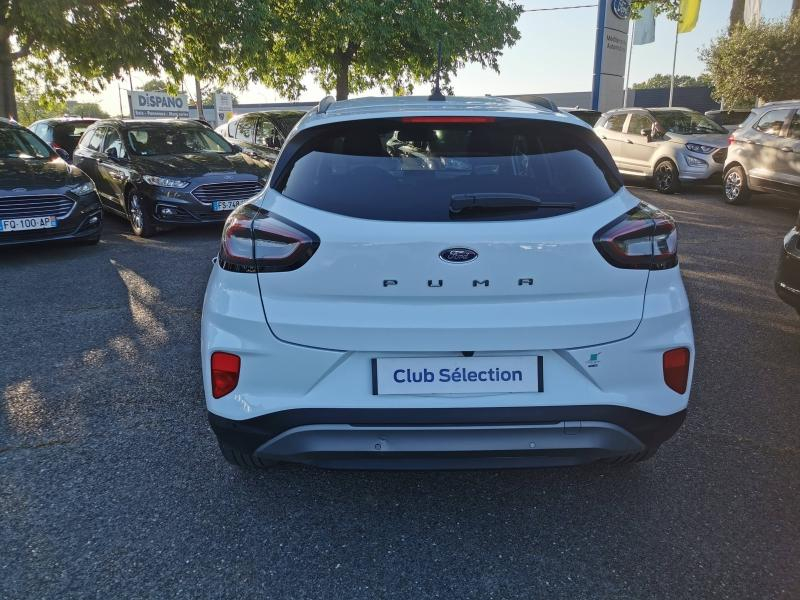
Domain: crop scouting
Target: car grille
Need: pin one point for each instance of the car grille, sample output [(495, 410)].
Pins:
[(22, 207), (720, 155), (233, 190)]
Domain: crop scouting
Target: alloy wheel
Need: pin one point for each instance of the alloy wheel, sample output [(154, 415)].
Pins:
[(135, 212), (733, 185)]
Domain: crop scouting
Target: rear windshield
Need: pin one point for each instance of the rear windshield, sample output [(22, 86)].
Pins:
[(404, 170), (66, 135)]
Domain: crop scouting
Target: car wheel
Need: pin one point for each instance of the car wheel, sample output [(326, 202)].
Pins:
[(666, 177), (241, 459), (140, 220), (735, 186)]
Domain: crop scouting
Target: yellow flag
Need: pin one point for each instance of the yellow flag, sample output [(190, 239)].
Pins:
[(690, 9)]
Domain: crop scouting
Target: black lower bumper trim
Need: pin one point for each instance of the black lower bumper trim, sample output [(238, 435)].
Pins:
[(250, 434)]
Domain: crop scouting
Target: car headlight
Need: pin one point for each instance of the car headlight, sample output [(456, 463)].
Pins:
[(700, 148), (695, 162), (87, 187), (165, 181)]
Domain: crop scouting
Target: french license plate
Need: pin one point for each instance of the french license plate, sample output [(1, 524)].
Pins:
[(457, 375), (226, 204), (11, 225)]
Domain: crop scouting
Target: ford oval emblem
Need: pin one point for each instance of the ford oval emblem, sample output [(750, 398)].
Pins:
[(458, 255)]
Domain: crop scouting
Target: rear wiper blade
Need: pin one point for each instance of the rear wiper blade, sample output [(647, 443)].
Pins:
[(501, 201)]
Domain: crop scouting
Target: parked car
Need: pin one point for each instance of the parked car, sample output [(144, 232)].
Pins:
[(261, 133), (62, 133), (42, 198), (729, 119), (787, 283), (671, 145), (494, 297), (167, 173), (590, 117), (764, 154)]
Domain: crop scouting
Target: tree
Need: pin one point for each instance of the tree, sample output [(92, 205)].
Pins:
[(671, 8), (154, 85), (34, 107), (737, 14), (759, 61), (662, 81), (73, 44), (353, 45), (86, 109)]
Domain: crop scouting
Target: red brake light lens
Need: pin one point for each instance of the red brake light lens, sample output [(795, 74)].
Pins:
[(447, 119), (643, 238), (256, 241), (676, 369), (224, 373)]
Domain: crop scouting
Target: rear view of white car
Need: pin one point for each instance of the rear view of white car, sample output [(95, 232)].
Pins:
[(445, 284)]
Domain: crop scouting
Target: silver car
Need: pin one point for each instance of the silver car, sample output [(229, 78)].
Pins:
[(670, 145), (764, 154)]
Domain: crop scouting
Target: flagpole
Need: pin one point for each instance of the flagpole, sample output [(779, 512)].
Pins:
[(628, 66), (674, 59)]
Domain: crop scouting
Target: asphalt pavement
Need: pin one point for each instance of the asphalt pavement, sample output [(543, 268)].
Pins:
[(112, 486)]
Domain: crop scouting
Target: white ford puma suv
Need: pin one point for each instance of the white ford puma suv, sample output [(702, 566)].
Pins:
[(445, 284)]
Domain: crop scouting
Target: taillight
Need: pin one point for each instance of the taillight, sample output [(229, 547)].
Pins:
[(643, 238), (224, 373), (448, 119), (255, 240), (731, 139), (676, 369)]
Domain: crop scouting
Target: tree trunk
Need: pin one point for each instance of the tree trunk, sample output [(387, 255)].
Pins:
[(8, 98), (343, 77), (795, 7), (198, 89), (737, 14)]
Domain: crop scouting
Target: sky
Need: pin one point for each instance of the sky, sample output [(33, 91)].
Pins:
[(555, 53)]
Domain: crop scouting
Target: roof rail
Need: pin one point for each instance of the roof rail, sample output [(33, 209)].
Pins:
[(325, 104), (543, 102)]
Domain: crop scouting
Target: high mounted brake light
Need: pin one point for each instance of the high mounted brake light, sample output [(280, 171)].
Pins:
[(643, 238), (257, 241), (443, 120)]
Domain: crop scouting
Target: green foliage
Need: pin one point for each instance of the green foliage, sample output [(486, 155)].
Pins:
[(671, 8), (353, 45), (662, 81), (33, 108), (759, 61)]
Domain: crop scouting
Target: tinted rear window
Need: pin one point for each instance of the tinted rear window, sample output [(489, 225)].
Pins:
[(403, 171)]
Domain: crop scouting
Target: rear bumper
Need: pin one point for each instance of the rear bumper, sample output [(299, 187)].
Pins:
[(448, 438)]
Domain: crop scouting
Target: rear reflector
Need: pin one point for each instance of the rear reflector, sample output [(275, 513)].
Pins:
[(224, 373), (676, 369), (448, 119)]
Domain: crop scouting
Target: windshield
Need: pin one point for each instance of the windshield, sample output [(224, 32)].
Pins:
[(155, 141), (20, 143), (686, 122), (412, 169)]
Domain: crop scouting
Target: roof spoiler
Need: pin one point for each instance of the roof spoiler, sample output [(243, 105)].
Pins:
[(325, 104), (543, 102)]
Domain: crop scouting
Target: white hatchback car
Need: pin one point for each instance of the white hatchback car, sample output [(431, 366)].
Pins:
[(445, 284)]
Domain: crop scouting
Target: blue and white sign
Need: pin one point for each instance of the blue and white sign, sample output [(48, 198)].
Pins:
[(610, 53), (158, 105), (621, 8), (457, 375)]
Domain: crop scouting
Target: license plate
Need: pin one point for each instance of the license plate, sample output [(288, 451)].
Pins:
[(226, 204), (10, 225), (457, 375)]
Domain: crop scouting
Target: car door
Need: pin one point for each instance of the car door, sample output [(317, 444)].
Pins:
[(637, 148), (111, 169), (611, 134), (268, 140), (87, 154), (790, 154), (245, 133), (768, 158)]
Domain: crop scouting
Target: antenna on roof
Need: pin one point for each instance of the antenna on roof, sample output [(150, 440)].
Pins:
[(325, 104), (437, 92)]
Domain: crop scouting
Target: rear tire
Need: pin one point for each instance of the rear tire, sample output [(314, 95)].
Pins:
[(665, 177), (734, 186), (140, 219), (243, 460)]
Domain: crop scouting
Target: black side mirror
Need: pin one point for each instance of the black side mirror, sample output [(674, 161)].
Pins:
[(237, 148), (112, 153), (63, 154)]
